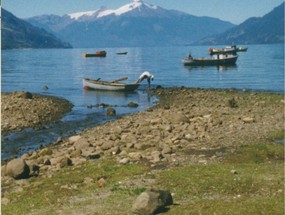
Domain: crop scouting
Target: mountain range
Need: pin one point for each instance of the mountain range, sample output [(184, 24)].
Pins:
[(266, 29), (17, 33), (135, 24)]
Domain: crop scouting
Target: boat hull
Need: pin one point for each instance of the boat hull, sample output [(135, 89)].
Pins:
[(122, 53), (242, 49), (209, 62), (97, 54), (94, 55), (90, 84)]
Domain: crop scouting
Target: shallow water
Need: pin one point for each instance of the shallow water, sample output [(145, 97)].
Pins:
[(62, 70)]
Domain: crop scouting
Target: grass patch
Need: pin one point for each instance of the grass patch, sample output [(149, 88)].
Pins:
[(48, 195), (256, 186), (214, 189), (276, 135), (258, 153)]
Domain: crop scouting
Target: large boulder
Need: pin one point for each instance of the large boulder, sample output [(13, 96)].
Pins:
[(151, 202), (18, 169)]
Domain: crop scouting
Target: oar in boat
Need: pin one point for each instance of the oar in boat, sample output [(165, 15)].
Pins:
[(120, 79)]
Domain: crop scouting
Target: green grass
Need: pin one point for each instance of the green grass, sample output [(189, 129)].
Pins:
[(214, 189), (255, 187), (52, 193), (276, 135), (258, 153)]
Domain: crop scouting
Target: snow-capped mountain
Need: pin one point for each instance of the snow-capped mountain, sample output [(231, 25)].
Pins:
[(136, 8), (134, 24)]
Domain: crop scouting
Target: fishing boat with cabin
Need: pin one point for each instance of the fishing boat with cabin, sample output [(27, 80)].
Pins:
[(215, 60)]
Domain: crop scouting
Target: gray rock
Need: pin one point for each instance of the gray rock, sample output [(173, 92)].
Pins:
[(65, 161), (111, 112), (115, 150), (132, 104), (156, 121), (34, 168), (81, 143), (135, 155), (166, 149), (88, 180), (45, 87), (180, 118), (24, 95), (130, 145), (47, 161), (107, 145), (124, 161), (3, 170), (5, 201), (18, 169), (248, 120), (76, 153), (45, 151), (73, 139), (156, 156), (93, 156), (168, 128), (152, 202)]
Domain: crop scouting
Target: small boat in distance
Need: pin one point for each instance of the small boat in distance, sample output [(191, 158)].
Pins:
[(116, 85), (97, 54), (122, 53), (216, 60), (233, 49), (226, 50)]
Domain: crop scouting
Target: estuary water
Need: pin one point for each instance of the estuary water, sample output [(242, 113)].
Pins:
[(261, 68)]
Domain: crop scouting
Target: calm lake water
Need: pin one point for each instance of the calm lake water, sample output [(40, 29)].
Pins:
[(261, 68)]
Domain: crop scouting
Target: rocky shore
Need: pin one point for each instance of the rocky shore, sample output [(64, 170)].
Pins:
[(26, 110), (187, 126)]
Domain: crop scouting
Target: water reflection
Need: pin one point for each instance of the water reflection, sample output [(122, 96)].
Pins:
[(218, 68), (111, 95), (118, 99)]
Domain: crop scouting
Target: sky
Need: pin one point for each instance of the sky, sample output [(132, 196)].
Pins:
[(234, 11)]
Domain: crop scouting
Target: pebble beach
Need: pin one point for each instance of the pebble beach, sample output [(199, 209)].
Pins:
[(187, 127), (183, 123)]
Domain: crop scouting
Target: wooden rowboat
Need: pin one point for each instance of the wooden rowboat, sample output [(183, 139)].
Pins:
[(217, 60), (97, 54), (116, 85), (90, 84)]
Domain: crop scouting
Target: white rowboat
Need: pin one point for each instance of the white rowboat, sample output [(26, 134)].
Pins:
[(90, 84)]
